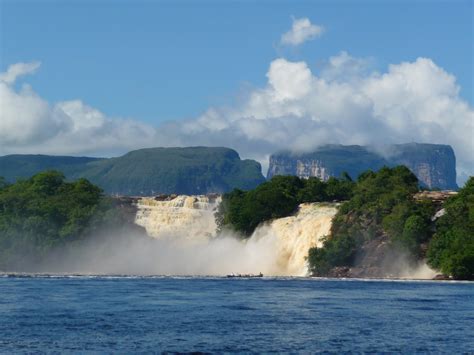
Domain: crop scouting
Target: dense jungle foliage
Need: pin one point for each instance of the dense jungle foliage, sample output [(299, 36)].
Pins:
[(243, 211), (378, 205), (44, 212), (382, 202), (452, 248)]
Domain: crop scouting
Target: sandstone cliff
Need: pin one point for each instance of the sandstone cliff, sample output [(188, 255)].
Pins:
[(433, 164)]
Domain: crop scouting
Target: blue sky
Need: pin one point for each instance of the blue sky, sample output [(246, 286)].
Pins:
[(165, 60), (104, 77)]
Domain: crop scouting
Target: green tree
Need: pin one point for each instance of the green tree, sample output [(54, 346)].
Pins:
[(381, 204), (243, 211), (46, 212), (313, 190), (415, 231), (452, 248), (3, 183)]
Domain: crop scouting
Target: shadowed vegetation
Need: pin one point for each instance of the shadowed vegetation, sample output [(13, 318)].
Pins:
[(45, 212), (243, 211), (452, 248)]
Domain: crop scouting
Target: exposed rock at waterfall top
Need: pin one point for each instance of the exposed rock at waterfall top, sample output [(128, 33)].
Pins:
[(433, 164), (145, 172)]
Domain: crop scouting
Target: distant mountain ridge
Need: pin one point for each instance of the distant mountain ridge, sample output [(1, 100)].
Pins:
[(145, 172), (433, 164), (202, 170)]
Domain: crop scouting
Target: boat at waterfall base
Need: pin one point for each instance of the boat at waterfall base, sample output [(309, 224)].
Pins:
[(247, 276)]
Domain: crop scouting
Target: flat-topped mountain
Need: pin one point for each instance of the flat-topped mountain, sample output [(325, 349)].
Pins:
[(20, 166), (433, 164), (190, 170)]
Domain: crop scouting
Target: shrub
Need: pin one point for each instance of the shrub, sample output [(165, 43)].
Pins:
[(243, 211), (45, 212), (452, 248)]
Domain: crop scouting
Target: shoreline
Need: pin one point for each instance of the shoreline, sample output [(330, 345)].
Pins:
[(26, 275)]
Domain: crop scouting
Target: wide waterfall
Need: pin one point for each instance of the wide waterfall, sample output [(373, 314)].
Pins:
[(191, 217), (182, 239), (278, 247)]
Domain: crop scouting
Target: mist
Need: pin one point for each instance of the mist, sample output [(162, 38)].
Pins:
[(136, 254), (394, 262), (179, 237)]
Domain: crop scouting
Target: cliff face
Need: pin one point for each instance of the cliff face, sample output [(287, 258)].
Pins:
[(433, 164)]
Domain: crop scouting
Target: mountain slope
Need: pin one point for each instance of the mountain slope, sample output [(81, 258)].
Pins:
[(14, 167), (191, 170)]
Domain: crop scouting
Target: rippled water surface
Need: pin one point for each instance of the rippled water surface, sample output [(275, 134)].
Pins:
[(216, 315)]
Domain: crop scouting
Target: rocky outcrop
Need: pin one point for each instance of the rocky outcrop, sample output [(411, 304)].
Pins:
[(433, 164), (435, 196), (378, 259)]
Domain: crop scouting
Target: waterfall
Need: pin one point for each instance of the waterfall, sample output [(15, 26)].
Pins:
[(295, 235), (191, 217), (278, 247)]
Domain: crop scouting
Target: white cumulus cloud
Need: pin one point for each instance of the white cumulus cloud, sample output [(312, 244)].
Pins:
[(345, 102), (29, 124), (300, 110), (301, 31), (289, 80)]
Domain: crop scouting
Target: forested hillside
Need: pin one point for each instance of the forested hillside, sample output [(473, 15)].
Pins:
[(191, 170)]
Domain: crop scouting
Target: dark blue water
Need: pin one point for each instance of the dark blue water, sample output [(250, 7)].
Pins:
[(233, 315)]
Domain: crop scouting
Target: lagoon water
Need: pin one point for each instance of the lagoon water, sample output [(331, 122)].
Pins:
[(136, 314)]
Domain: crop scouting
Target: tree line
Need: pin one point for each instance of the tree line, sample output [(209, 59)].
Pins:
[(376, 204)]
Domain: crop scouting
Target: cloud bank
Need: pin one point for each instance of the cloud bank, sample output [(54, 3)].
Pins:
[(30, 124), (346, 102)]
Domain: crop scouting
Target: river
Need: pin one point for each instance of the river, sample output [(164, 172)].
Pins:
[(209, 314)]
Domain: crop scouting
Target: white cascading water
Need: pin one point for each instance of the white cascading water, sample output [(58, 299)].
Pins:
[(191, 217), (182, 240), (295, 235), (278, 247)]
